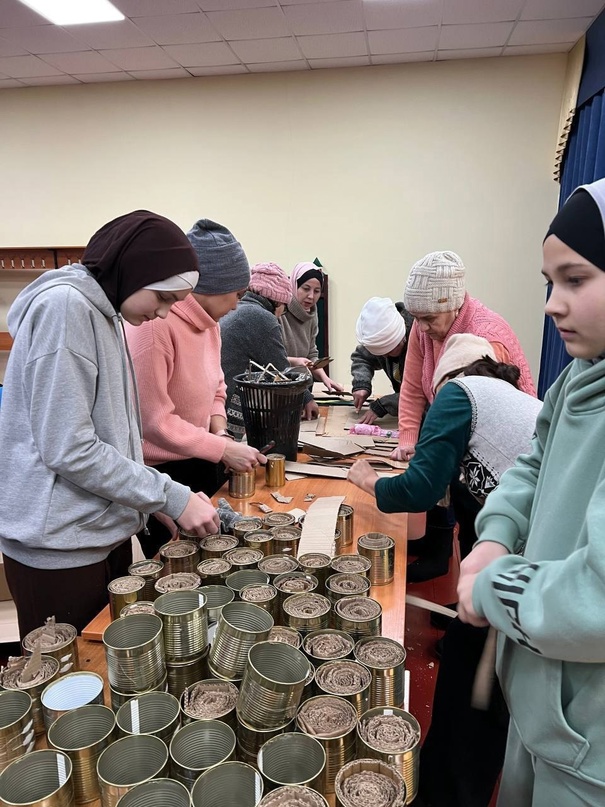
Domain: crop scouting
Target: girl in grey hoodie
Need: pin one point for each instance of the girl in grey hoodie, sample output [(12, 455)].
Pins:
[(75, 487)]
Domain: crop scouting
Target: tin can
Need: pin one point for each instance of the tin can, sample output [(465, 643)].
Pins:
[(215, 546), (243, 558), (232, 783), (155, 713), (11, 678), (272, 686), (240, 626), (180, 557), (293, 794), (359, 616), (69, 692), (306, 612), (181, 674), (327, 644), (259, 539), (141, 607), (216, 597), (236, 581), (61, 643), (344, 523), (244, 524), (385, 659), (120, 698), (130, 761), (210, 699), (279, 633), (179, 581), (264, 595), (150, 571), (317, 564), (365, 793), (291, 583), (185, 622), (377, 733), (40, 779), (332, 721), (134, 650), (251, 740), (214, 571), (380, 549), (341, 585), (274, 565), (352, 564), (124, 591), (346, 679), (199, 746), (279, 520), (16, 726), (275, 470), (293, 759), (157, 793), (242, 484), (286, 539)]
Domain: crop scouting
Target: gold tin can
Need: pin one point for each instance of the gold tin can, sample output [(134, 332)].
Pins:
[(199, 746), (327, 644), (236, 581), (216, 597), (157, 793), (293, 759), (244, 525), (251, 740), (185, 624), (210, 699), (40, 779), (243, 558), (264, 595), (130, 761), (317, 564), (119, 698), (242, 484), (341, 585), (280, 633), (156, 713), (366, 792), (332, 721), (150, 571), (214, 571), (215, 546), (180, 675), (11, 678), (274, 565), (275, 470), (286, 540), (352, 564), (347, 679), (385, 659), (61, 642), (377, 734), (380, 549), (291, 583), (16, 726), (279, 520), (124, 591), (233, 783), (68, 692), (306, 612), (180, 556), (359, 616), (293, 794), (259, 539), (240, 626), (179, 581), (142, 607), (344, 522)]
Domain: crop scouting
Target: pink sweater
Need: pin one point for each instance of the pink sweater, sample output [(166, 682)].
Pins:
[(423, 354), (177, 363)]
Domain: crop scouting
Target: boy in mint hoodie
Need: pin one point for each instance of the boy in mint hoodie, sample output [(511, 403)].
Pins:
[(537, 573)]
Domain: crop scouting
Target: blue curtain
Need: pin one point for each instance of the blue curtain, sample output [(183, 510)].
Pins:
[(584, 162)]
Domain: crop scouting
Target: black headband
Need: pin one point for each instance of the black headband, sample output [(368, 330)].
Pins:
[(310, 274), (580, 226)]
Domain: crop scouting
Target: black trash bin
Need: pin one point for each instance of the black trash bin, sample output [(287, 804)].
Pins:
[(272, 409)]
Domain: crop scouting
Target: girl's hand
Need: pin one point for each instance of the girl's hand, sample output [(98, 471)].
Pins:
[(200, 516), (363, 475), (299, 361)]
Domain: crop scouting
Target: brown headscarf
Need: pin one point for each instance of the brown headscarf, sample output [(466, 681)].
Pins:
[(136, 250)]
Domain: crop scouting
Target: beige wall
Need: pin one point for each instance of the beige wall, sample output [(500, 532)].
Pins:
[(367, 168)]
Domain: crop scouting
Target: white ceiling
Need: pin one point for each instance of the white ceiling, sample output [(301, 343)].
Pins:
[(161, 39)]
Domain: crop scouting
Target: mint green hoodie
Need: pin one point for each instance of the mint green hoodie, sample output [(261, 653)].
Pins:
[(550, 604), (74, 485)]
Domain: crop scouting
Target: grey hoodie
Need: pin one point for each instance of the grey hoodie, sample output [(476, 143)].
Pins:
[(70, 446)]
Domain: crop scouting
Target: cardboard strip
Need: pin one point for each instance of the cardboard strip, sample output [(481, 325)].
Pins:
[(319, 526)]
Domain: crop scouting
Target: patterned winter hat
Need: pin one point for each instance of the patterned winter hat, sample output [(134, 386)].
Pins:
[(270, 281), (435, 284)]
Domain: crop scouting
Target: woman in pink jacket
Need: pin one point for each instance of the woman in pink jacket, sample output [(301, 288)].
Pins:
[(435, 295)]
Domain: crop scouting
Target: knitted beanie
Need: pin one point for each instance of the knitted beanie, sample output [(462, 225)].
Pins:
[(270, 281), (460, 350), (435, 284), (222, 262), (380, 327)]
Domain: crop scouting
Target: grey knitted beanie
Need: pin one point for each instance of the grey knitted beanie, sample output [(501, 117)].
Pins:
[(222, 261), (435, 284)]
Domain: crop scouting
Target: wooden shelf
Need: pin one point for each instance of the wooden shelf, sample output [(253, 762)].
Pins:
[(6, 340)]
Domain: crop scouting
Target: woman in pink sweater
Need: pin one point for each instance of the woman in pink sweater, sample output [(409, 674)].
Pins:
[(436, 297), (177, 361)]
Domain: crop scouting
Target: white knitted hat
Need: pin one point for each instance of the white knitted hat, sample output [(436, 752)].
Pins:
[(460, 350), (435, 284), (380, 327)]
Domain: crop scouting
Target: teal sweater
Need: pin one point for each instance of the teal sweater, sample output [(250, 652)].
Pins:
[(550, 604)]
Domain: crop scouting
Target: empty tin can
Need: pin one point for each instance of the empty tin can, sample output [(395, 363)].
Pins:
[(240, 626), (380, 549), (293, 759), (130, 761), (185, 622), (156, 713), (198, 746), (242, 484), (216, 597), (236, 581), (181, 674), (16, 726), (157, 793), (233, 783), (275, 470), (134, 650), (69, 692), (40, 779)]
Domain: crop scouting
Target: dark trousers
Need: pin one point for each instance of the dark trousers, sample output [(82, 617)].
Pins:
[(466, 508), (463, 752), (73, 595), (196, 474)]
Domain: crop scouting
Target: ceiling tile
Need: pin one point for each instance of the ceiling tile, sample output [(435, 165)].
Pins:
[(267, 50), (202, 55), (347, 61), (141, 8), (120, 34), (10, 83), (541, 32), (471, 53), (329, 46), (458, 12), (43, 39), (325, 18), (182, 29), (26, 66), (100, 78), (43, 81), (174, 72), (276, 67), (384, 14), (554, 9), (402, 58), (14, 14), (9, 48), (249, 23), (533, 50), (86, 61), (219, 70), (225, 5), (483, 35), (403, 40), (154, 58)]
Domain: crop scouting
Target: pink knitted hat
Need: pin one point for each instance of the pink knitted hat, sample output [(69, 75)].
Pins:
[(270, 281)]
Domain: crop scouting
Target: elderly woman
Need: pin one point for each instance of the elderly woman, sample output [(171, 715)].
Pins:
[(299, 322), (252, 332), (435, 295)]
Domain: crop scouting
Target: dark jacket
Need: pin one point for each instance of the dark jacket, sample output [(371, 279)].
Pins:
[(364, 364)]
